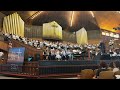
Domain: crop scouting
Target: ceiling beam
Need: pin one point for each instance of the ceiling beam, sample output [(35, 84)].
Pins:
[(29, 20), (72, 18)]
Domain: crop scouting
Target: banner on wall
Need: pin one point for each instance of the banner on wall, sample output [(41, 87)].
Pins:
[(52, 30), (16, 55), (16, 59)]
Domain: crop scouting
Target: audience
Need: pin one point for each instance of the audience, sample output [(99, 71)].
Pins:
[(60, 50), (114, 66), (54, 50)]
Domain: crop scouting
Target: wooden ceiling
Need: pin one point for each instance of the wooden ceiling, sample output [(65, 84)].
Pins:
[(103, 19)]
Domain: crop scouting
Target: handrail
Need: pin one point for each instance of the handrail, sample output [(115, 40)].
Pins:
[(37, 71)]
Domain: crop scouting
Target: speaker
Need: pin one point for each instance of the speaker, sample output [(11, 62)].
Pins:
[(37, 57)]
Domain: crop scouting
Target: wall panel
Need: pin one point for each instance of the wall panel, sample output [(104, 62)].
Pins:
[(33, 31)]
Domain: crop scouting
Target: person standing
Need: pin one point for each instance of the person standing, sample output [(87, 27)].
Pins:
[(102, 47)]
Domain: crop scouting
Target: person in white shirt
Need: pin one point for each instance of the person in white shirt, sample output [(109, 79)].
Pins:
[(116, 66), (14, 36), (114, 54), (1, 54), (17, 37), (63, 53), (58, 57), (52, 51)]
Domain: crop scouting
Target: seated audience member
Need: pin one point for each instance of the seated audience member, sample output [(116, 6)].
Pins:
[(116, 66), (17, 37), (10, 36), (20, 38), (14, 36), (117, 76), (38, 46), (93, 54), (110, 67), (53, 51), (71, 54), (6, 38), (44, 55), (58, 57), (103, 67), (63, 54)]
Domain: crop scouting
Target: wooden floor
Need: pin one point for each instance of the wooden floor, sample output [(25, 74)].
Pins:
[(6, 77), (68, 78)]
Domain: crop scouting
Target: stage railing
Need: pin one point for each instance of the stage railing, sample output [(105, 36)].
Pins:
[(42, 71), (46, 69)]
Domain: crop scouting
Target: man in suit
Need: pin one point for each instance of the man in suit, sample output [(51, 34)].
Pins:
[(102, 47)]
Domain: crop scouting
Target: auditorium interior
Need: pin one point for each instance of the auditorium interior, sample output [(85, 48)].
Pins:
[(59, 44)]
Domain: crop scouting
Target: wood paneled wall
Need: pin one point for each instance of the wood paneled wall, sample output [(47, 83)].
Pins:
[(94, 36), (32, 31), (4, 46), (1, 20), (69, 36)]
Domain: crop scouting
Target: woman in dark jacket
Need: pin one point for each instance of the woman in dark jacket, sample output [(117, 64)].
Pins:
[(103, 67)]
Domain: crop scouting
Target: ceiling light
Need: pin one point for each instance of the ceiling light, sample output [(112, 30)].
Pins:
[(92, 14)]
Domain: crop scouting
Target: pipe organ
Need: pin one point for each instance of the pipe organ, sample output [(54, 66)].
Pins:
[(52, 30), (13, 24)]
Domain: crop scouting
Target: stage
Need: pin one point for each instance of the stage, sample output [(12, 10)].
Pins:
[(44, 69)]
